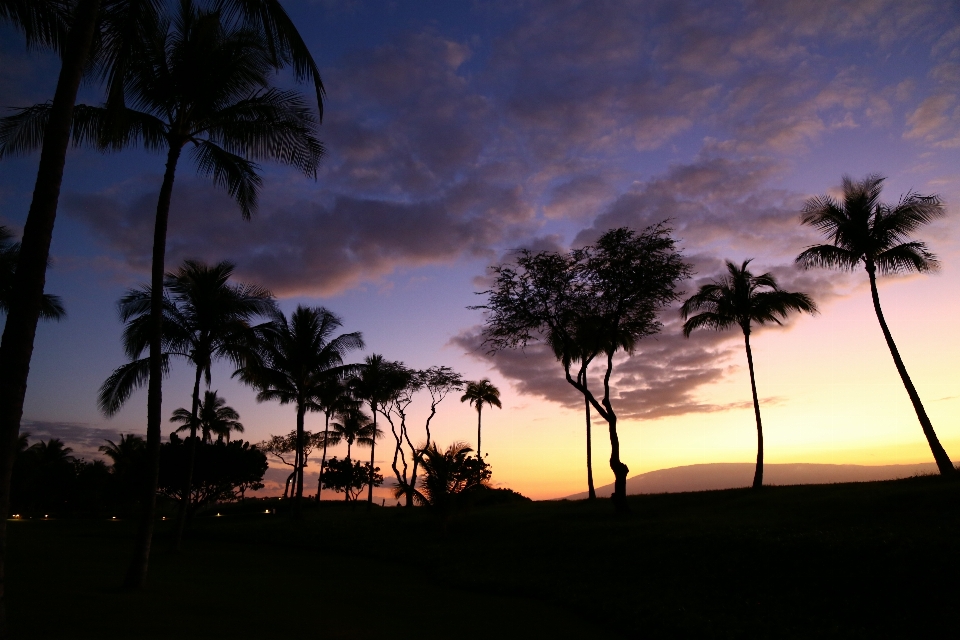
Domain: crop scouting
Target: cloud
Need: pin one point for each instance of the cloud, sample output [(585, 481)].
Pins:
[(84, 439)]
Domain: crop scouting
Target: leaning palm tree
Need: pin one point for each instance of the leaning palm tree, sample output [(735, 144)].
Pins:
[(743, 299), (51, 306), (479, 394), (215, 418), (90, 34), (864, 230), (296, 357), (206, 317)]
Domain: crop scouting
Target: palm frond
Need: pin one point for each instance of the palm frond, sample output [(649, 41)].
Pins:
[(126, 379), (231, 172), (830, 256), (22, 132), (909, 256)]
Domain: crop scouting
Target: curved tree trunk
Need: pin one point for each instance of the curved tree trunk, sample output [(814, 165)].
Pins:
[(591, 492), (26, 297), (939, 454), (137, 572), (620, 470), (758, 474), (373, 447), (191, 461)]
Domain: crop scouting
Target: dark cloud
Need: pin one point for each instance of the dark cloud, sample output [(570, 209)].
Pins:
[(84, 439)]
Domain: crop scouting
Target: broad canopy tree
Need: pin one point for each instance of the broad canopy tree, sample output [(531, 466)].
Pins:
[(616, 286), (742, 299), (863, 230)]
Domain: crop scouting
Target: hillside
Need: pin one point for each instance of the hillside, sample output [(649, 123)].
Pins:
[(730, 475)]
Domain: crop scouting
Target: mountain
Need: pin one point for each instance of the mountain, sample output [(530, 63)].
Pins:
[(729, 475)]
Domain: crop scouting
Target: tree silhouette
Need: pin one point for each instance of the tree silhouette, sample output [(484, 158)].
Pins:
[(51, 306), (214, 417), (354, 427), (101, 36), (743, 299), (332, 397), (862, 229), (449, 474), (479, 394), (620, 283), (295, 359), (205, 318)]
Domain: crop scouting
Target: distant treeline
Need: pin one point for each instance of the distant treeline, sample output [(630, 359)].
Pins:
[(49, 481)]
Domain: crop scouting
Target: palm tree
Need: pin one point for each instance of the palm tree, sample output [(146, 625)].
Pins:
[(125, 454), (479, 394), (333, 397), (214, 417), (51, 306), (862, 229), (743, 299), (295, 360), (205, 318), (90, 34), (377, 382), (448, 474), (354, 427)]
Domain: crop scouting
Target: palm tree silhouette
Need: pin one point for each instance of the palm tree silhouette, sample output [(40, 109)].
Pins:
[(446, 474), (354, 427), (90, 34), (296, 358), (214, 417), (865, 230), (743, 299), (333, 397), (51, 307), (205, 318), (479, 394), (125, 454)]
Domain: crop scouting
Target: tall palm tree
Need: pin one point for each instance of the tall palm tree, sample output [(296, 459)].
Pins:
[(742, 299), (864, 230), (51, 307), (479, 394), (333, 396), (214, 418), (377, 381), (90, 34), (296, 357), (354, 427), (205, 318)]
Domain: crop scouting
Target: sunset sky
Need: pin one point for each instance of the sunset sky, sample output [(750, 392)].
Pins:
[(459, 132)]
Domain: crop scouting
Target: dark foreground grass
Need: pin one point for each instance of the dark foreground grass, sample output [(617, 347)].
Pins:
[(855, 560)]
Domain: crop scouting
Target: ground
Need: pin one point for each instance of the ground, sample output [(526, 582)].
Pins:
[(851, 560)]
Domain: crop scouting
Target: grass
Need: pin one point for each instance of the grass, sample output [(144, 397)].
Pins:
[(850, 560)]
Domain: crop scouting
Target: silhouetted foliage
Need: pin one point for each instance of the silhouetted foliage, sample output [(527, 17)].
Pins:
[(480, 394), (214, 418), (51, 307), (349, 477), (223, 471), (615, 287), (284, 449), (736, 299), (449, 476), (864, 230)]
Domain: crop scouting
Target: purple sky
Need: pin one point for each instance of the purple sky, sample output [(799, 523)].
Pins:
[(458, 132)]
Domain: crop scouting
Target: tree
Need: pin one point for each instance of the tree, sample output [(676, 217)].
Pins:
[(332, 397), (862, 229), (295, 359), (224, 470), (619, 285), (51, 306), (438, 382), (128, 468), (376, 382), (90, 34), (479, 394), (743, 299), (449, 475), (349, 476), (214, 417), (206, 317)]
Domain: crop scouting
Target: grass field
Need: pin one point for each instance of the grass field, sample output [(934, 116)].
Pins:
[(855, 560)]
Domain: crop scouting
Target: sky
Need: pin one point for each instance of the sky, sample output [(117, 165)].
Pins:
[(458, 133)]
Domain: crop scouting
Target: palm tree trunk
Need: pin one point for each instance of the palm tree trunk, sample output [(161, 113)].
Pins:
[(26, 297), (758, 474), (479, 411), (373, 446), (301, 411), (137, 572), (323, 459), (939, 454), (191, 461)]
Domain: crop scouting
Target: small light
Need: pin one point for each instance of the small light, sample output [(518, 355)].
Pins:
[(265, 511), (114, 518), (218, 514), (163, 518), (46, 515)]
